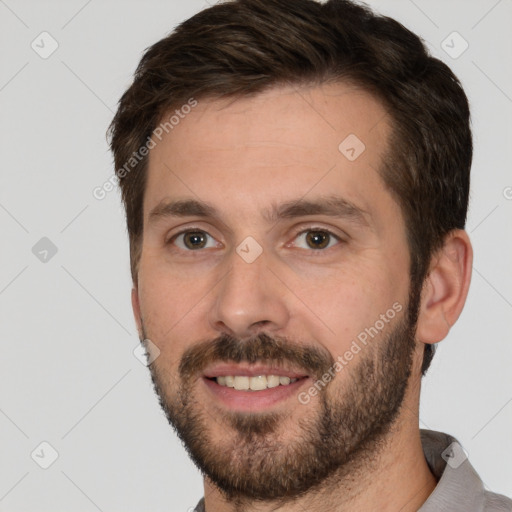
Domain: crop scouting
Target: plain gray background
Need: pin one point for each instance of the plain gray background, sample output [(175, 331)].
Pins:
[(68, 375)]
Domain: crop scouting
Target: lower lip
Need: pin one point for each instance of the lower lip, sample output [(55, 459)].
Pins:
[(254, 400)]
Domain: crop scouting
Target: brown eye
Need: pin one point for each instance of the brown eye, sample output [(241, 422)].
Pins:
[(194, 239), (318, 239)]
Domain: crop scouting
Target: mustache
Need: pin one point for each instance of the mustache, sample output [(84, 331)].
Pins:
[(261, 348)]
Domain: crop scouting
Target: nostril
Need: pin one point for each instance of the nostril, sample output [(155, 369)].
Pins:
[(260, 323)]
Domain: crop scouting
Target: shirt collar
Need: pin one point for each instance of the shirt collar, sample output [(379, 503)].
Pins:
[(459, 487)]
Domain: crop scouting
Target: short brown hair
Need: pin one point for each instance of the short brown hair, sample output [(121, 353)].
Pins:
[(243, 47)]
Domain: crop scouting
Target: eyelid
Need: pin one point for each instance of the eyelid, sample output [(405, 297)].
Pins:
[(315, 227), (298, 231), (187, 229), (184, 228)]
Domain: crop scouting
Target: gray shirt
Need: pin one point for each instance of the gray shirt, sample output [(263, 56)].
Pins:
[(459, 488)]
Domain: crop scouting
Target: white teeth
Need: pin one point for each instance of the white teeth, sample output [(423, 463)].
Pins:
[(272, 381), (258, 383), (241, 383)]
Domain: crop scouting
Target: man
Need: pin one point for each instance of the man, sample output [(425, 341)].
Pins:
[(296, 177)]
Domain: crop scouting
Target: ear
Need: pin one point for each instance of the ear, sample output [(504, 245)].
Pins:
[(446, 287), (136, 309)]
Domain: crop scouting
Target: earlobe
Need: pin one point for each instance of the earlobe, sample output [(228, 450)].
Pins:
[(446, 287), (136, 309)]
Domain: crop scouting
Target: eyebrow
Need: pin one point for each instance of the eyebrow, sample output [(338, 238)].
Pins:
[(331, 206)]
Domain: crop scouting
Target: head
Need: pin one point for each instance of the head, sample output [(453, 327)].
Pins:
[(232, 122)]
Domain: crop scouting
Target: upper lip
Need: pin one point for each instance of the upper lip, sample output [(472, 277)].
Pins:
[(250, 370)]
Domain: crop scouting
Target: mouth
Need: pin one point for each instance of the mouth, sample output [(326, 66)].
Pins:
[(256, 383), (252, 388)]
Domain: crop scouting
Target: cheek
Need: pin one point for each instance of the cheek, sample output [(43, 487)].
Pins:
[(349, 302), (163, 291), (162, 307), (174, 308)]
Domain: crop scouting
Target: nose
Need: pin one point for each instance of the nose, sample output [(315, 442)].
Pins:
[(249, 299)]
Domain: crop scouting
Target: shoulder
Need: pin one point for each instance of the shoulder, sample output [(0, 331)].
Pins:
[(200, 506), (459, 487), (496, 502)]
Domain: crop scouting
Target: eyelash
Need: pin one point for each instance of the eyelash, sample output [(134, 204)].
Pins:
[(193, 229)]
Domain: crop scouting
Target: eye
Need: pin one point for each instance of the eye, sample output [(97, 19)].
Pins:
[(317, 238), (192, 240)]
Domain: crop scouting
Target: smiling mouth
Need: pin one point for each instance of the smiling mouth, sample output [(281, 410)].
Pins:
[(254, 383), (252, 388)]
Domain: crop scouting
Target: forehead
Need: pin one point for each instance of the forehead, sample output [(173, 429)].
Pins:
[(281, 144)]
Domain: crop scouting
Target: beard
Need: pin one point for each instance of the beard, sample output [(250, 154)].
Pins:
[(267, 457)]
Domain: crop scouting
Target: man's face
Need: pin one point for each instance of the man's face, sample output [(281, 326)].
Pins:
[(268, 281)]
